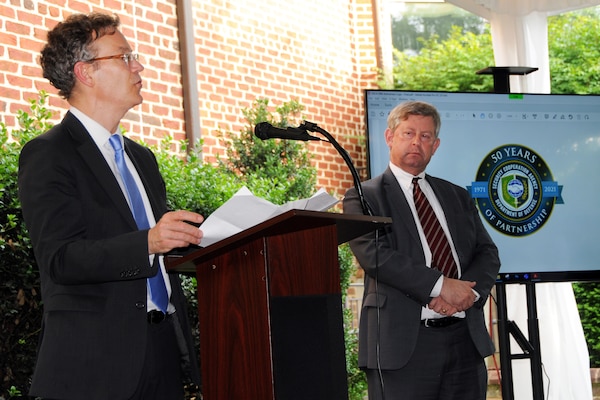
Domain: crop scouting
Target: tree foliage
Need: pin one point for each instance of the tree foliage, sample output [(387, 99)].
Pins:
[(574, 55), (447, 65), (418, 23)]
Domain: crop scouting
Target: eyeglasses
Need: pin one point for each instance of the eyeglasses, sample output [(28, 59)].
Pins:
[(127, 57)]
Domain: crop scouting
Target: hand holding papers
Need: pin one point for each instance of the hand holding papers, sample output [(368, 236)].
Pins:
[(244, 210)]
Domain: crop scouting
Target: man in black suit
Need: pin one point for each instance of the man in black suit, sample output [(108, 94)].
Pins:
[(422, 334), (105, 336)]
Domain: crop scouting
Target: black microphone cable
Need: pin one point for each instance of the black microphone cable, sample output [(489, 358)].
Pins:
[(378, 344), (310, 126)]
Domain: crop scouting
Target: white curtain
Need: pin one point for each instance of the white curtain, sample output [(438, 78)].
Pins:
[(520, 39), (565, 357)]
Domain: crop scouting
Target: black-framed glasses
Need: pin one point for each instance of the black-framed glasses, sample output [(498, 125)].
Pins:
[(126, 57)]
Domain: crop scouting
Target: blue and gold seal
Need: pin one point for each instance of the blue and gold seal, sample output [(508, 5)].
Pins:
[(515, 191)]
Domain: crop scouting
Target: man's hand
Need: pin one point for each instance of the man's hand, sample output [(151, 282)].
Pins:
[(174, 230), (440, 306), (458, 293)]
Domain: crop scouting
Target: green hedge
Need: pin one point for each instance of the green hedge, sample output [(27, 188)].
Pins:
[(587, 295), (20, 307)]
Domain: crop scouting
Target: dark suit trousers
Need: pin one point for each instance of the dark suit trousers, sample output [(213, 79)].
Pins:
[(161, 377), (444, 366)]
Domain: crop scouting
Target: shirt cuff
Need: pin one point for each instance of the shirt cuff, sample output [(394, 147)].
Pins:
[(437, 288)]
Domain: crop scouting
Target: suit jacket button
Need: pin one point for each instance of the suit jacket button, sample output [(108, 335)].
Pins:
[(139, 305)]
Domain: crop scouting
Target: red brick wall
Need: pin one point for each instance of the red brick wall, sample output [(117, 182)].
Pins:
[(321, 53)]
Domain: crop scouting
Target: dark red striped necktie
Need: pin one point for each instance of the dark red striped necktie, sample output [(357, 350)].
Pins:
[(441, 253)]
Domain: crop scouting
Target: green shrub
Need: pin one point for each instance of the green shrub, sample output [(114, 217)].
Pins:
[(20, 307), (277, 170), (587, 295), (192, 184)]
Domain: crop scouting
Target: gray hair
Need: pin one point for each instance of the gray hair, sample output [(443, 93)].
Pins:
[(402, 111)]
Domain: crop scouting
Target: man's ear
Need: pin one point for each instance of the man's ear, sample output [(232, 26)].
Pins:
[(389, 137), (436, 144), (84, 72)]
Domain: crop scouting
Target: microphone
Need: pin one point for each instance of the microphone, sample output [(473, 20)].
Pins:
[(265, 130)]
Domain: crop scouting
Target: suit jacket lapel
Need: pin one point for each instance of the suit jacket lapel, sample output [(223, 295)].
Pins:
[(100, 170), (399, 204)]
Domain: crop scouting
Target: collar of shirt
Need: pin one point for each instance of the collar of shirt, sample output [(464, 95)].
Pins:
[(404, 178), (98, 133)]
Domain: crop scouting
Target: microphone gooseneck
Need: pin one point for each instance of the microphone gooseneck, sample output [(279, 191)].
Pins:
[(265, 130), (310, 126)]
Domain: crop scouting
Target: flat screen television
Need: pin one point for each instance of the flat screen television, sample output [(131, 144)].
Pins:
[(532, 165)]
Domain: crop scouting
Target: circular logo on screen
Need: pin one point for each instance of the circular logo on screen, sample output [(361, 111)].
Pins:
[(515, 191)]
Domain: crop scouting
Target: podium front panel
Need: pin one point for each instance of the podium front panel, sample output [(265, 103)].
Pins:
[(304, 263), (234, 328)]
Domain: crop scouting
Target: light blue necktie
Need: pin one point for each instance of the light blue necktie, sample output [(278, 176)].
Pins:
[(158, 289)]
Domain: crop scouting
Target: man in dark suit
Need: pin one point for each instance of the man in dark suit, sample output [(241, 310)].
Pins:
[(422, 334), (104, 336)]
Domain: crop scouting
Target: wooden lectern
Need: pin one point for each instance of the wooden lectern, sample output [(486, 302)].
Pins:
[(270, 308)]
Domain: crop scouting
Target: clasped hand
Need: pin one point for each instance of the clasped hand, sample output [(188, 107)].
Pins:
[(174, 230), (455, 296)]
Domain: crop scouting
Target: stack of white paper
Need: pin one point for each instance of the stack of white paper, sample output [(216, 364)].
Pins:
[(244, 210)]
